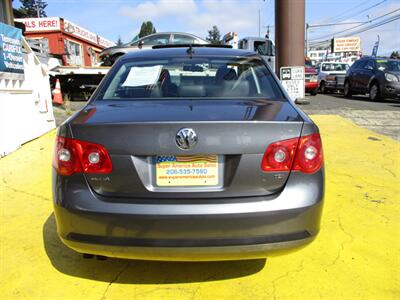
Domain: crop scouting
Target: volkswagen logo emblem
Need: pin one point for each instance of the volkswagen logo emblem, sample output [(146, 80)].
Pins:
[(186, 138)]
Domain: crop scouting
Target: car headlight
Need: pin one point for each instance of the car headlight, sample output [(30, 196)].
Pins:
[(391, 77), (314, 78)]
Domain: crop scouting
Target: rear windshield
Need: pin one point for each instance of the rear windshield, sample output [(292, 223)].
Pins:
[(187, 77), (335, 67)]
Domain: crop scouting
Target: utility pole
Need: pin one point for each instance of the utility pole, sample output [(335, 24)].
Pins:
[(306, 50), (259, 22), (38, 10), (290, 29)]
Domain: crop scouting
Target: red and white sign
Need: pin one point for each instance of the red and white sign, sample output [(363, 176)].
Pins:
[(80, 32), (104, 42), (348, 44), (40, 24)]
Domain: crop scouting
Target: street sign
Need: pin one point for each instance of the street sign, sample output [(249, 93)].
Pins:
[(292, 79)]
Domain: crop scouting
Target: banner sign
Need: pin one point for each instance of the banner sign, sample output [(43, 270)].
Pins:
[(375, 49), (104, 42), (348, 44), (292, 79), (80, 32), (40, 24), (11, 56)]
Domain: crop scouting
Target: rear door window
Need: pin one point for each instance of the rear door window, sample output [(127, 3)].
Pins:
[(160, 39), (369, 65), (183, 39)]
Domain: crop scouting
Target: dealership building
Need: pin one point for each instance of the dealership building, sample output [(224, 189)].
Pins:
[(72, 44)]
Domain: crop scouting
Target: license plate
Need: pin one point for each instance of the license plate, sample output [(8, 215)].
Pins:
[(190, 170)]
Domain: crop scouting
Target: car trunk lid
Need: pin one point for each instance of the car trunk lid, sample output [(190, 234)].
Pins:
[(237, 131)]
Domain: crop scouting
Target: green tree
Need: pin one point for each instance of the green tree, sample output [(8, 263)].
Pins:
[(32, 8), (395, 54), (119, 41), (214, 36), (147, 28)]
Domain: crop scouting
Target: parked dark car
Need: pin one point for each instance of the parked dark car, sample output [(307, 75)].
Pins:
[(109, 55), (188, 153), (378, 77)]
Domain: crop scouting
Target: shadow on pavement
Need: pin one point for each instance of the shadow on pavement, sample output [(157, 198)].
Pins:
[(72, 263)]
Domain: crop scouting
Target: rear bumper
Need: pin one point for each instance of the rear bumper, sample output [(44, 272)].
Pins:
[(311, 86), (253, 227)]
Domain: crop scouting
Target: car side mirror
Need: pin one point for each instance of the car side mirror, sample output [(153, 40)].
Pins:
[(140, 45)]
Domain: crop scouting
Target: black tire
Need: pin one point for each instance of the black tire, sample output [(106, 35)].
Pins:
[(347, 89), (314, 92), (322, 87), (374, 92)]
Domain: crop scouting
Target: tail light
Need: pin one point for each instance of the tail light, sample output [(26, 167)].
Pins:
[(75, 156), (301, 154)]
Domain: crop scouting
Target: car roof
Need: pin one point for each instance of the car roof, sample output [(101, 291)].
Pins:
[(376, 58), (182, 51), (173, 32)]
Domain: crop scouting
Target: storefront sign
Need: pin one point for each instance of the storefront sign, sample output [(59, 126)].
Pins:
[(104, 42), (11, 56), (349, 44), (292, 79), (79, 32), (40, 24)]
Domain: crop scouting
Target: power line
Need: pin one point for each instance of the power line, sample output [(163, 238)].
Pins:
[(372, 26), (335, 18), (359, 12), (357, 26), (335, 24), (383, 22)]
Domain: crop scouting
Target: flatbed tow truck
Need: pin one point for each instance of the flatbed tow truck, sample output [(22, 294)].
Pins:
[(77, 82)]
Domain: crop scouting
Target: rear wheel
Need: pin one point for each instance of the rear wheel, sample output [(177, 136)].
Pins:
[(313, 92), (347, 89), (374, 92)]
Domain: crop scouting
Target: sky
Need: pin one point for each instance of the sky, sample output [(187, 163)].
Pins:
[(122, 18)]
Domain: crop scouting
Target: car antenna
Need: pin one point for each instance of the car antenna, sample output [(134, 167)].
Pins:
[(190, 50)]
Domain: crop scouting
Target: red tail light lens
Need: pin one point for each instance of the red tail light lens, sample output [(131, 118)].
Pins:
[(279, 156), (75, 156), (302, 154), (309, 157)]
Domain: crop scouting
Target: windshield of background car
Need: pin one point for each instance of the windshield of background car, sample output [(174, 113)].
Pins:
[(186, 77), (335, 67), (388, 65)]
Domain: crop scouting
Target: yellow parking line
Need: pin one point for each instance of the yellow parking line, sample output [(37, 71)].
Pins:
[(356, 255)]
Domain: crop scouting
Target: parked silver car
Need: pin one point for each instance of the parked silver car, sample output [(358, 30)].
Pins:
[(109, 55), (188, 154)]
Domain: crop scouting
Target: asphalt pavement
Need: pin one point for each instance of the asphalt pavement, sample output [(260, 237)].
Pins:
[(382, 117)]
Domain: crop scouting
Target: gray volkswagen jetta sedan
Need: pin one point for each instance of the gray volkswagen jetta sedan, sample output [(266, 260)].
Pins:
[(188, 153)]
